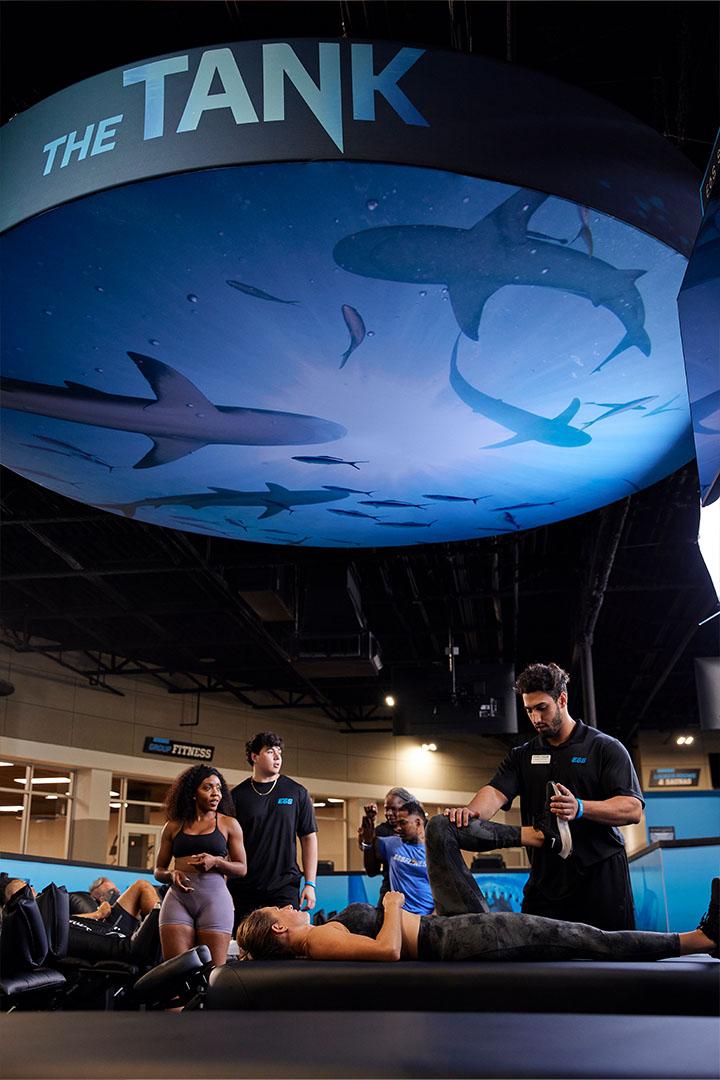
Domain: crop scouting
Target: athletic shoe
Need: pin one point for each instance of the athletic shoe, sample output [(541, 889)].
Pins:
[(557, 832), (710, 922)]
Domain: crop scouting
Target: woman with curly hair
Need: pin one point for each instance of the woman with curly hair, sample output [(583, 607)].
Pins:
[(206, 843)]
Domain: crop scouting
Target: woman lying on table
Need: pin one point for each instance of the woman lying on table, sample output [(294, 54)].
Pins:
[(361, 932)]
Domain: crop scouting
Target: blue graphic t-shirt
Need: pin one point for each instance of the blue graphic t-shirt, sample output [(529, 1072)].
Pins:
[(408, 872)]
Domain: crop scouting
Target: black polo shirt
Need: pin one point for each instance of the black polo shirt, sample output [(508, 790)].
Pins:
[(592, 765)]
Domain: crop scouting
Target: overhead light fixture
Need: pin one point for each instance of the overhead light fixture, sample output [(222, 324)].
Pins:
[(115, 805), (389, 700), (685, 740), (10, 809), (114, 794), (330, 799), (52, 796), (318, 804), (429, 746), (44, 780), (3, 764)]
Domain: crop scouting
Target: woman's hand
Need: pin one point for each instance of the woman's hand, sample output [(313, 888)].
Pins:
[(181, 880), (205, 861), (393, 899)]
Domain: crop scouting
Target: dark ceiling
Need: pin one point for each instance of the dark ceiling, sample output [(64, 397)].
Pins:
[(290, 626)]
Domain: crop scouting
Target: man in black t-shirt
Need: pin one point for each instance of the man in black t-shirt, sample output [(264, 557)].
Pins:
[(273, 810), (596, 790)]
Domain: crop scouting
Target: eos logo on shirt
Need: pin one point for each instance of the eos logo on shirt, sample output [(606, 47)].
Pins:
[(578, 761), (285, 802)]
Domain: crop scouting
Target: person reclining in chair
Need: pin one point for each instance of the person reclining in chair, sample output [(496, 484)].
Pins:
[(115, 931)]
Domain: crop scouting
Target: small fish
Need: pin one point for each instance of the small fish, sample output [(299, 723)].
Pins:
[(584, 233), (278, 532), (511, 520), (456, 498), (356, 326), (354, 514), (664, 408), (406, 524), (67, 450), (527, 505), (250, 290), (350, 491), (46, 476), (236, 521), (324, 459), (296, 543), (395, 503), (614, 408)]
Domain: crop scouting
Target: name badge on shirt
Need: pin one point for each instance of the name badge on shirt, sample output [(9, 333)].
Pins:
[(540, 759)]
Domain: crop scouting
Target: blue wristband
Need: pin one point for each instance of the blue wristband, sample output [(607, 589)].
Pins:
[(310, 883), (580, 810)]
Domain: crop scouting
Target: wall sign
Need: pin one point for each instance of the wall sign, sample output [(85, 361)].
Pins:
[(170, 748), (671, 777)]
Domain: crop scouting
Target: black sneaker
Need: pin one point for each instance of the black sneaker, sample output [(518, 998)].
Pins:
[(710, 922), (557, 832)]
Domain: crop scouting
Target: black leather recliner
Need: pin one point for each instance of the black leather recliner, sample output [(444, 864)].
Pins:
[(25, 980)]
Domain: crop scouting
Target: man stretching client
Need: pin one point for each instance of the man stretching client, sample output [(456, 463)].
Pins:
[(361, 932)]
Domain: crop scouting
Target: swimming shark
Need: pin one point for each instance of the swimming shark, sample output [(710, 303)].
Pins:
[(179, 420), (497, 251), (528, 426), (614, 408), (276, 499)]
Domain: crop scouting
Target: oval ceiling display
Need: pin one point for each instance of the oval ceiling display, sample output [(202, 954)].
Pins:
[(341, 352)]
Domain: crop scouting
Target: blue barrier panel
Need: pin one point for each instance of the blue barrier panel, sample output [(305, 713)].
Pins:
[(648, 886), (693, 814)]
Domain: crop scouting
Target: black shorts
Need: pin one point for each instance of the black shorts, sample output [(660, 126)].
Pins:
[(121, 920)]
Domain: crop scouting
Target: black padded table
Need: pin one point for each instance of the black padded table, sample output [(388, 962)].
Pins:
[(59, 1046), (690, 988)]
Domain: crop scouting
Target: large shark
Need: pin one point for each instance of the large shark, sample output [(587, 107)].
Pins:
[(179, 419), (276, 499), (528, 426), (499, 250)]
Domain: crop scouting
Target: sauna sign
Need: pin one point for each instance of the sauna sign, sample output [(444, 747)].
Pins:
[(170, 748)]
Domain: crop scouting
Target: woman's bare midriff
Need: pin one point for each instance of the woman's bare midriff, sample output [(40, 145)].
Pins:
[(410, 933), (185, 865)]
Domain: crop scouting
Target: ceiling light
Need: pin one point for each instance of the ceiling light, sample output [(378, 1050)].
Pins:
[(115, 805), (681, 740), (45, 780), (689, 739), (429, 747), (10, 809), (330, 799), (389, 700), (52, 796), (318, 804), (5, 763), (114, 794)]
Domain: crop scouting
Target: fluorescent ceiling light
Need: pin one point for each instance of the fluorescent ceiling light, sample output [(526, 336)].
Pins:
[(3, 764), (114, 794), (45, 780), (10, 809), (318, 804), (330, 799), (52, 796)]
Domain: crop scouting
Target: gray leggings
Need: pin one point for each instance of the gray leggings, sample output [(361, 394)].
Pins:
[(463, 928)]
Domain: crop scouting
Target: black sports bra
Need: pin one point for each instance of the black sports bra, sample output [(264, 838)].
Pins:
[(213, 843)]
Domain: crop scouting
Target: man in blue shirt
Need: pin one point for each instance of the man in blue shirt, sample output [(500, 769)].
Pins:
[(404, 854)]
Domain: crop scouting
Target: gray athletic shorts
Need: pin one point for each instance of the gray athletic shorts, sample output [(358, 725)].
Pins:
[(208, 907)]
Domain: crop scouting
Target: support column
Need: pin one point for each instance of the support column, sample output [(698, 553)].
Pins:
[(588, 683), (91, 815)]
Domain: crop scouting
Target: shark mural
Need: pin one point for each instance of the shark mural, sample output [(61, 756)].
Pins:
[(211, 350)]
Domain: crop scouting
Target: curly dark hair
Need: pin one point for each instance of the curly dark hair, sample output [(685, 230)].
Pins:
[(260, 741), (180, 799), (256, 939), (543, 679)]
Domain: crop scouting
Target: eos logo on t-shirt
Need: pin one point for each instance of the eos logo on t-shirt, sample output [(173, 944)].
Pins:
[(285, 802), (578, 760)]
